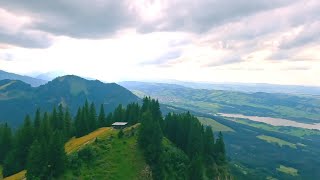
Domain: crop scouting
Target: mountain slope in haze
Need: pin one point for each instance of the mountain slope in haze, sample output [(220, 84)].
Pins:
[(297, 108), (252, 87), (29, 80), (18, 98)]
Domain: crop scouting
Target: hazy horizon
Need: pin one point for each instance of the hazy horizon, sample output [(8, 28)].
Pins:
[(274, 42)]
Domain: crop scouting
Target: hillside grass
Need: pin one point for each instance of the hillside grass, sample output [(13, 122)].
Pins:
[(76, 143), (115, 158), (6, 85), (72, 145), (216, 126), (277, 141), (19, 176), (288, 170)]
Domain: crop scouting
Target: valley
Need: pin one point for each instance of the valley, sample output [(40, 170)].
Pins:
[(261, 141)]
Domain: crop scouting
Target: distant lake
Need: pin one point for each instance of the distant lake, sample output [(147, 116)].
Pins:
[(273, 121)]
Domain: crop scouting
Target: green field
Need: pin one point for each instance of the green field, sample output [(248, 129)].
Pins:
[(278, 141), (293, 131), (114, 159), (288, 170), (216, 126)]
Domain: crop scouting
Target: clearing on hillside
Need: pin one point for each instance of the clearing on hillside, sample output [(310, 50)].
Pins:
[(288, 170), (216, 126), (278, 141)]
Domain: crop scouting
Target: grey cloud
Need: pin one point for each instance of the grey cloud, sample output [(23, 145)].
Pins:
[(26, 39), (75, 18), (310, 34), (97, 19), (201, 16)]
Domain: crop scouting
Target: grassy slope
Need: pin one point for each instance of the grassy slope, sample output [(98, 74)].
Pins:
[(288, 170), (71, 146), (216, 126), (115, 159), (6, 85), (278, 141)]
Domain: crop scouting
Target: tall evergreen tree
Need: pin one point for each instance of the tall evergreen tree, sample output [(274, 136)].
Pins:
[(37, 122), (5, 141), (57, 155), (102, 117), (35, 163), (92, 117), (67, 124)]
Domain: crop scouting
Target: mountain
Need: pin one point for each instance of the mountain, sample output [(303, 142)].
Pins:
[(18, 98), (29, 80), (251, 87)]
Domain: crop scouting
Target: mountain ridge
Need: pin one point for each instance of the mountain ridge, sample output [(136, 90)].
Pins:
[(70, 91)]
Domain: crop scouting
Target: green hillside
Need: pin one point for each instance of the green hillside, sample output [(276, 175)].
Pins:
[(110, 158)]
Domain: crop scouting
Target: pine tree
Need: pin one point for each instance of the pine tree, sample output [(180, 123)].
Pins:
[(35, 163), (67, 124), (5, 141), (92, 118), (60, 117), (220, 149), (102, 117), (57, 155), (36, 123)]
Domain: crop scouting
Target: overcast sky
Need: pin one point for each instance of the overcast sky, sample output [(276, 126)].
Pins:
[(265, 41)]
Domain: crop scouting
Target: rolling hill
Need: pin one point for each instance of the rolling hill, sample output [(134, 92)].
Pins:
[(18, 98), (297, 108), (29, 80)]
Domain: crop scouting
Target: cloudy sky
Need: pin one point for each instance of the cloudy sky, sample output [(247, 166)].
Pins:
[(266, 41)]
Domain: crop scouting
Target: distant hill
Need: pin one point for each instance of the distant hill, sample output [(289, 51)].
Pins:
[(251, 87), (18, 98), (293, 107), (29, 80)]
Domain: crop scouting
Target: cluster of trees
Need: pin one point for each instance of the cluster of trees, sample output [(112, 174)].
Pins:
[(202, 155), (207, 155), (38, 145)]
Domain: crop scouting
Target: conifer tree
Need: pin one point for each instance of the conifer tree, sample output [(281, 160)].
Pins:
[(57, 155), (35, 163), (5, 141), (102, 117), (67, 124), (92, 118)]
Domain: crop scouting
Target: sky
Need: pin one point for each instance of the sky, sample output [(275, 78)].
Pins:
[(260, 41)]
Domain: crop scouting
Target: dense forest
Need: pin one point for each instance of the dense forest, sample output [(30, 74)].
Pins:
[(38, 145)]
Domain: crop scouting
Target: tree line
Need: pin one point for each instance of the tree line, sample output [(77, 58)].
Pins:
[(38, 145)]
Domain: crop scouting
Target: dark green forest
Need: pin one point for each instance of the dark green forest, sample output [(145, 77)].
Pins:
[(38, 145)]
